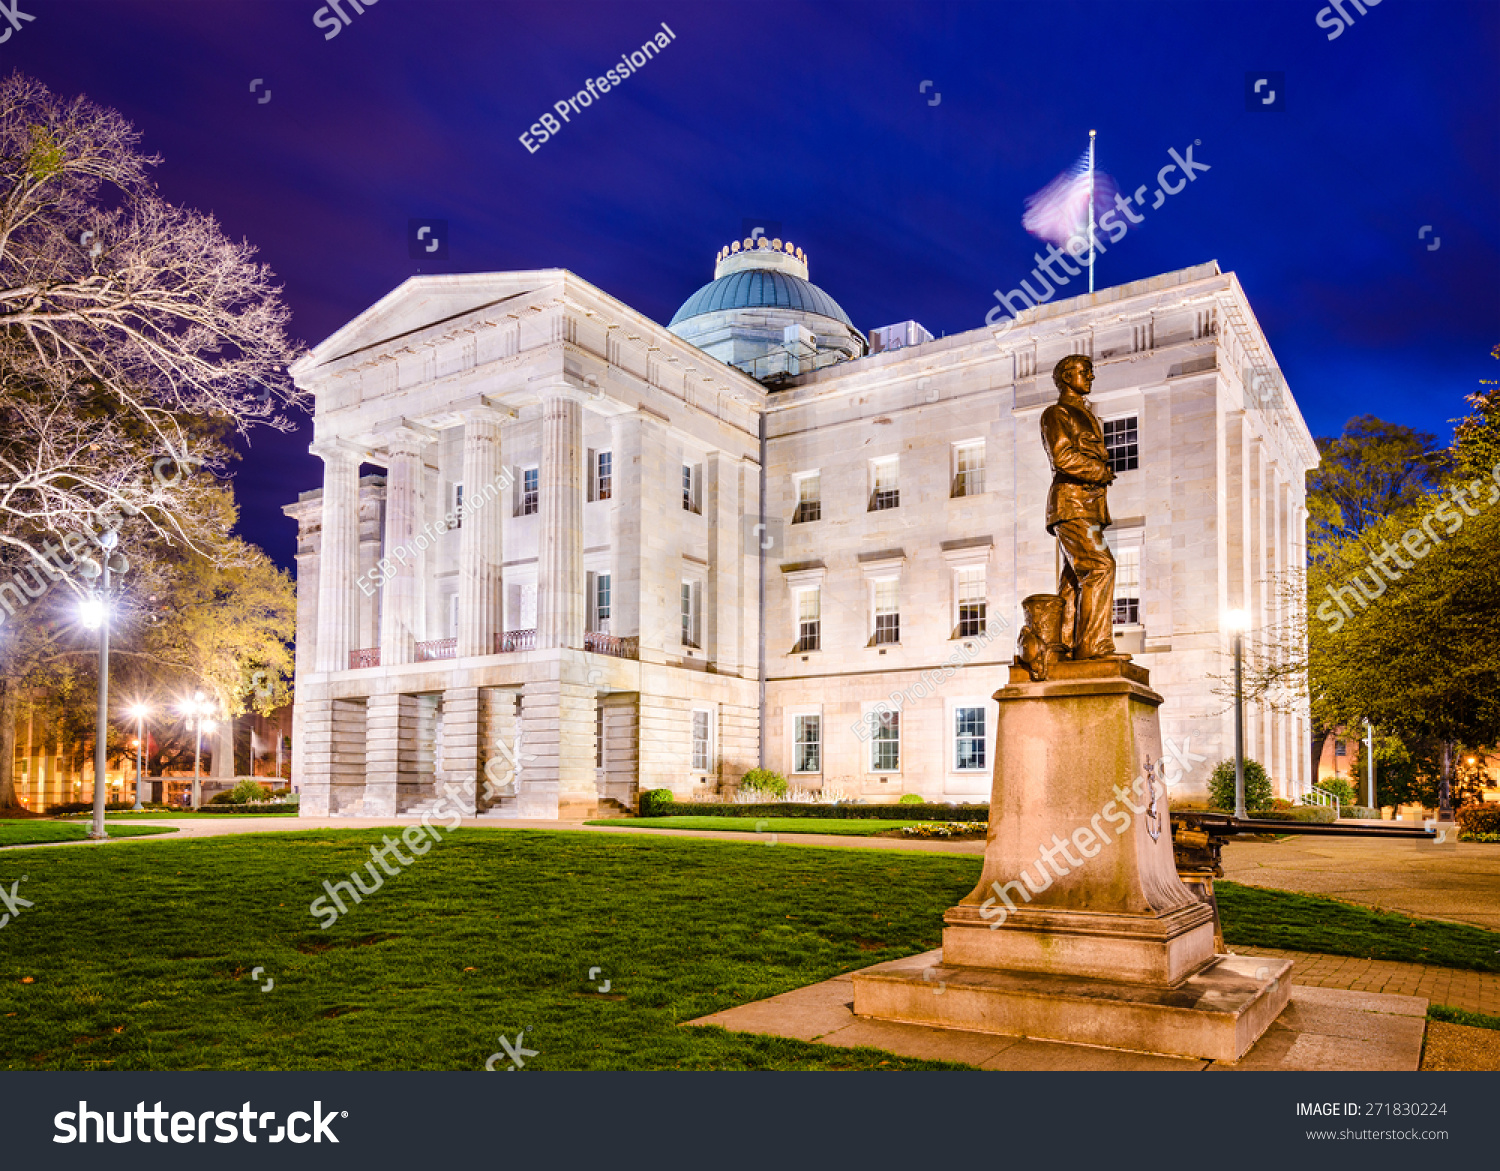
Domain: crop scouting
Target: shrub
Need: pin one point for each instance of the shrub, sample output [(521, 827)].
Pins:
[(1283, 803), (1478, 823), (764, 780), (225, 798), (1258, 794), (1341, 789), (1364, 812), (652, 800), (248, 791), (910, 799)]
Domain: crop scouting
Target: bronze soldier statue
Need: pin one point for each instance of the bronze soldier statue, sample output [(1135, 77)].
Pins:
[(1077, 512)]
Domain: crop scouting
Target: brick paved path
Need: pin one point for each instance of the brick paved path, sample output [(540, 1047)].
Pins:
[(1474, 991)]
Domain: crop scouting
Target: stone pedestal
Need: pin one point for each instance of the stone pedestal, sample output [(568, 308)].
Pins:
[(1079, 929)]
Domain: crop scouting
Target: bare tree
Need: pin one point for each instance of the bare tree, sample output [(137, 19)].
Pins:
[(135, 338), (133, 334)]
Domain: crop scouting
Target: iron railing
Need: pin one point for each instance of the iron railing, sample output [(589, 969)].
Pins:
[(437, 648)]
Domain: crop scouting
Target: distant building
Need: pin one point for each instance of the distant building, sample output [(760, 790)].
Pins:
[(744, 538)]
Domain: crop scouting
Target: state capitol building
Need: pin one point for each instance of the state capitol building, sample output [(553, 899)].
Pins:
[(604, 555)]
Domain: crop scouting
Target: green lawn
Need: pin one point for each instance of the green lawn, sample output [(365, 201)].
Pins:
[(143, 958), (765, 826), (1253, 917), (25, 833), (148, 814)]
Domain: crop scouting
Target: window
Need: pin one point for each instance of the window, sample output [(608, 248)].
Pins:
[(692, 479), (807, 744), (968, 739), (809, 498), (887, 612), (1128, 586), (453, 615), (598, 735), (700, 741), (456, 505), (884, 491), (968, 588), (599, 599), (1120, 437), (602, 475), (809, 614), (885, 743), (968, 469), (692, 593), (531, 493)]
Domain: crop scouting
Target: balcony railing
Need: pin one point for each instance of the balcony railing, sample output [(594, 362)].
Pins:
[(610, 644), (369, 657), (515, 640), (437, 648)]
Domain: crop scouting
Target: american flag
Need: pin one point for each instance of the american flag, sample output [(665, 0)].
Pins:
[(1060, 211)]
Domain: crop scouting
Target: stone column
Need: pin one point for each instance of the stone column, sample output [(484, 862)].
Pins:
[(726, 539), (400, 593), (336, 602), (560, 577), (479, 538), (557, 776)]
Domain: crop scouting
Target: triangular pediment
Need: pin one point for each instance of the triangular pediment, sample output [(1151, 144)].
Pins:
[(425, 301)]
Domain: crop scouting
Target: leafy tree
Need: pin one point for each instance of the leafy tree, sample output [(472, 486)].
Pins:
[(1370, 470), (1476, 438)]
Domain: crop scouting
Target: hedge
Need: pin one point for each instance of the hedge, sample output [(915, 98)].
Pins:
[(112, 807), (266, 807), (651, 807), (1360, 811), (1478, 819), (1317, 814)]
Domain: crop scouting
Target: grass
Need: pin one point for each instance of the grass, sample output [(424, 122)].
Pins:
[(149, 814), (26, 833), (844, 826), (144, 958), (1460, 1016), (1255, 917), (493, 931)]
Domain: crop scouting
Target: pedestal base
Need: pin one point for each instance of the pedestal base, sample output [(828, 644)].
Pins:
[(1132, 949), (1218, 1013)]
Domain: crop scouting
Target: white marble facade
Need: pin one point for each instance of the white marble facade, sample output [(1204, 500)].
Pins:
[(637, 510)]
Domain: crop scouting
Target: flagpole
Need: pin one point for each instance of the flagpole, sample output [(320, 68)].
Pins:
[(1091, 211)]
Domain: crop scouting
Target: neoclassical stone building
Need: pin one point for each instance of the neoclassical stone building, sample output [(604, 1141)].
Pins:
[(593, 555)]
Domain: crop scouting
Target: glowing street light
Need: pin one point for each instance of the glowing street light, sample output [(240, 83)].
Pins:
[(1238, 621), (139, 711)]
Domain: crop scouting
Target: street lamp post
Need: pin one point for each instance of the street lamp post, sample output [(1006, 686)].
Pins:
[(1370, 765), (96, 614), (1238, 621), (139, 712)]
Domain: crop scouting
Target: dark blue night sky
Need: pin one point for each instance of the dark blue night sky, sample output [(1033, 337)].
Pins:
[(813, 115)]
